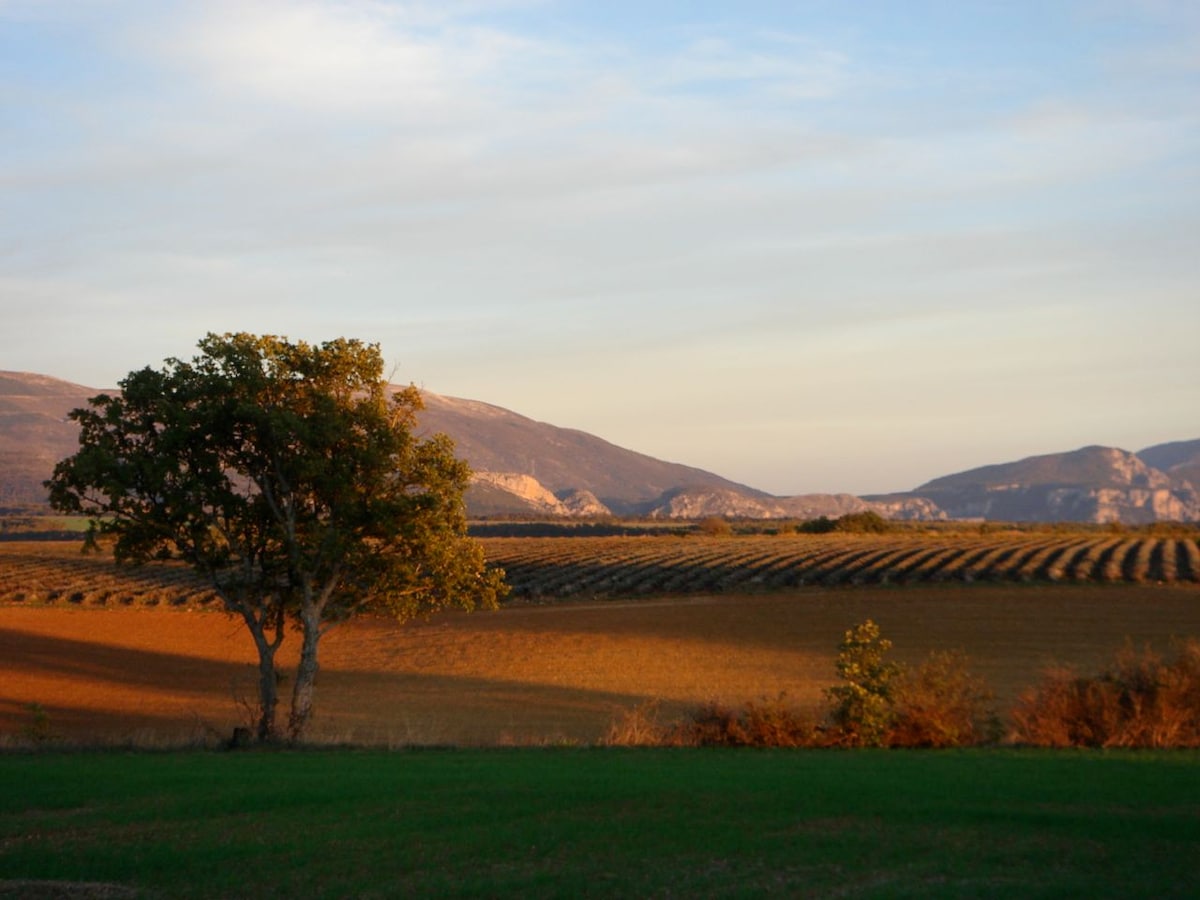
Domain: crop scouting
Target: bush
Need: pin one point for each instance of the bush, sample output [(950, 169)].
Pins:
[(941, 704), (765, 723), (1141, 701), (637, 727), (820, 525), (869, 522), (37, 730), (862, 705), (715, 526), (878, 704)]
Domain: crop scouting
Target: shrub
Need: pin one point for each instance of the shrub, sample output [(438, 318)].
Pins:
[(37, 730), (878, 704), (820, 525), (942, 704), (1141, 701), (715, 526), (763, 723), (710, 725), (868, 522), (862, 705), (637, 727)]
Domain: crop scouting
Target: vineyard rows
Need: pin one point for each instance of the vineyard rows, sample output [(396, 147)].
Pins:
[(39, 573), (557, 567), (43, 572)]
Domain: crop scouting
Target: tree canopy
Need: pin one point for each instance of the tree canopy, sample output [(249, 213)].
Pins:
[(291, 475)]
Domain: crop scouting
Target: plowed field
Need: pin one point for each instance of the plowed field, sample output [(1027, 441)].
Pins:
[(528, 673), (623, 566)]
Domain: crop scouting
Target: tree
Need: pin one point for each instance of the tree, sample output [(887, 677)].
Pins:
[(287, 475), (862, 704), (715, 526)]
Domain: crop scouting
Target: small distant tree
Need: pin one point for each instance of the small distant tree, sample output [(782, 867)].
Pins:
[(866, 522), (287, 475), (819, 525), (715, 526), (862, 704)]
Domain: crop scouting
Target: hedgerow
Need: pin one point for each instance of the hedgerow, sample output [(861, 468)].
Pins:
[(1141, 701)]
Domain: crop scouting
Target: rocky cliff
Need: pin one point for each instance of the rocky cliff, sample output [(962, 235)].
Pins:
[(1093, 484), (1179, 459)]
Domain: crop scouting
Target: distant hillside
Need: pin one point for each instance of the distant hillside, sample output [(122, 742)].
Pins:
[(1092, 484), (34, 433), (528, 468), (523, 467), (1179, 459), (497, 440)]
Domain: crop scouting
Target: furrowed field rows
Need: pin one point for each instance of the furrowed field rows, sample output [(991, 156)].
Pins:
[(54, 573), (554, 567), (45, 572)]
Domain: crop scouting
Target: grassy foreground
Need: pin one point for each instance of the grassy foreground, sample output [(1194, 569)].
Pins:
[(573, 822)]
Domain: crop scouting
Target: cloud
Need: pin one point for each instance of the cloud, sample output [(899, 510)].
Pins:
[(308, 55), (680, 212), (778, 64)]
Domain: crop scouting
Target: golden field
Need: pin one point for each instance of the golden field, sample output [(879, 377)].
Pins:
[(114, 657)]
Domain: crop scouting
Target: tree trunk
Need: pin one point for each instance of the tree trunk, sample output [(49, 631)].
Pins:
[(268, 678), (268, 693), (306, 672)]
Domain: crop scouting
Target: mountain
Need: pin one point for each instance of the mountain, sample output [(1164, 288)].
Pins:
[(1092, 484), (700, 503), (522, 466), (35, 433), (508, 493), (1179, 459), (496, 440), (529, 468)]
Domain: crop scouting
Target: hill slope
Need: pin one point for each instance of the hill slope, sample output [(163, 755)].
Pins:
[(1092, 484), (1179, 459), (525, 467), (494, 439), (34, 433), (585, 474)]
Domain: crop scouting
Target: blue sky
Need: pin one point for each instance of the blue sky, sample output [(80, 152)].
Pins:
[(812, 246)]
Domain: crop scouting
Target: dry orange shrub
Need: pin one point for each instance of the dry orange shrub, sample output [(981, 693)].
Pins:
[(938, 704), (1140, 701), (942, 704)]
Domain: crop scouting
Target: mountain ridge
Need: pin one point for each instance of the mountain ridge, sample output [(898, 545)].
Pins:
[(1092, 483), (528, 468), (494, 439)]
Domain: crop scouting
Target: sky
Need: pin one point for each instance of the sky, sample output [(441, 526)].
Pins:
[(812, 246)]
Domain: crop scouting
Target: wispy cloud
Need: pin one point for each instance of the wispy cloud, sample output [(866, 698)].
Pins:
[(771, 64), (335, 59)]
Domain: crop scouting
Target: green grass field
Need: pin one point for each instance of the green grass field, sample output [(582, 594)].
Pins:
[(571, 822)]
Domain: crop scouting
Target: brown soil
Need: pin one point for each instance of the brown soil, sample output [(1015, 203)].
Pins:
[(544, 673)]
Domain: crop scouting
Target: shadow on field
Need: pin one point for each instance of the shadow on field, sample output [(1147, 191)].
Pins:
[(1030, 624), (36, 655), (430, 709), (530, 674), (89, 689), (88, 724)]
